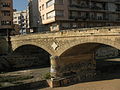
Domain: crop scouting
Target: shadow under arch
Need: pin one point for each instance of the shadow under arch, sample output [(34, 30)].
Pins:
[(85, 48), (108, 42), (42, 46), (72, 60), (81, 49), (30, 56)]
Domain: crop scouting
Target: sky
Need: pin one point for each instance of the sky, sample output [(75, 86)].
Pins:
[(20, 4)]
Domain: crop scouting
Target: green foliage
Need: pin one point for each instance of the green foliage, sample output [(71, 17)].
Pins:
[(47, 76)]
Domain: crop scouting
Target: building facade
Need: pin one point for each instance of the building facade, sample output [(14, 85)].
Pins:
[(35, 17), (6, 16), (65, 14), (21, 21)]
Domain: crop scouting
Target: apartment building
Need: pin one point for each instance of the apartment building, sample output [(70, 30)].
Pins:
[(6, 16), (66, 14), (34, 16), (21, 21)]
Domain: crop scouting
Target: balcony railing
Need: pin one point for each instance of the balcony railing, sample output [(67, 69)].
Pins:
[(85, 18), (117, 0), (118, 9), (97, 8), (78, 6), (88, 7), (118, 19)]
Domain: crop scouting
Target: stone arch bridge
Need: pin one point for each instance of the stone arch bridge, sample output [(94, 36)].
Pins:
[(72, 51)]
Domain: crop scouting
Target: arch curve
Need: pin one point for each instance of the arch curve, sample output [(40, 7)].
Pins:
[(44, 47), (108, 42)]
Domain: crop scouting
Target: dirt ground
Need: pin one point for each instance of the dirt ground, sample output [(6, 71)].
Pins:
[(97, 85), (22, 77), (108, 80)]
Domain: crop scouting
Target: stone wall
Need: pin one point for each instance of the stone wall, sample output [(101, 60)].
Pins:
[(3, 46), (13, 62), (19, 61), (29, 56), (4, 63), (73, 69), (106, 52)]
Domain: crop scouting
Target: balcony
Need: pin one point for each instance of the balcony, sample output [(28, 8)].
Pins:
[(79, 7), (97, 8), (118, 19), (117, 1), (87, 8), (118, 9), (106, 1), (6, 8), (88, 18)]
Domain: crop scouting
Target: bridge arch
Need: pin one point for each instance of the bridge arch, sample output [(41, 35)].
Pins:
[(30, 45), (79, 56), (104, 41), (30, 56), (42, 46)]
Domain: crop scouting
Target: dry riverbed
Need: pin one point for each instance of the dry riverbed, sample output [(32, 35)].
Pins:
[(22, 77)]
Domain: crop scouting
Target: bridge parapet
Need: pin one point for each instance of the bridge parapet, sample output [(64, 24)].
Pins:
[(71, 32)]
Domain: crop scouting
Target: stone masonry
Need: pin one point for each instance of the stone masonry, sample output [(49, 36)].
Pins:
[(72, 51)]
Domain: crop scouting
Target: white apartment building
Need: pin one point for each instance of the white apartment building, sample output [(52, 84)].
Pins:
[(21, 18)]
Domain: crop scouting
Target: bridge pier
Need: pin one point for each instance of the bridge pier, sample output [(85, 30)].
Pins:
[(71, 70), (54, 67), (54, 82)]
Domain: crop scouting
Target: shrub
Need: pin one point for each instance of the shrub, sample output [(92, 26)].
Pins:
[(47, 76)]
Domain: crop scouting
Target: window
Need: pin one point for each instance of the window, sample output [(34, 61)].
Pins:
[(40, 8), (65, 25), (19, 22), (59, 1), (5, 4), (74, 14), (5, 22), (15, 17), (60, 13), (50, 3), (117, 7), (43, 7), (6, 13), (15, 22), (21, 17), (43, 17), (54, 26), (50, 14), (99, 16)]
